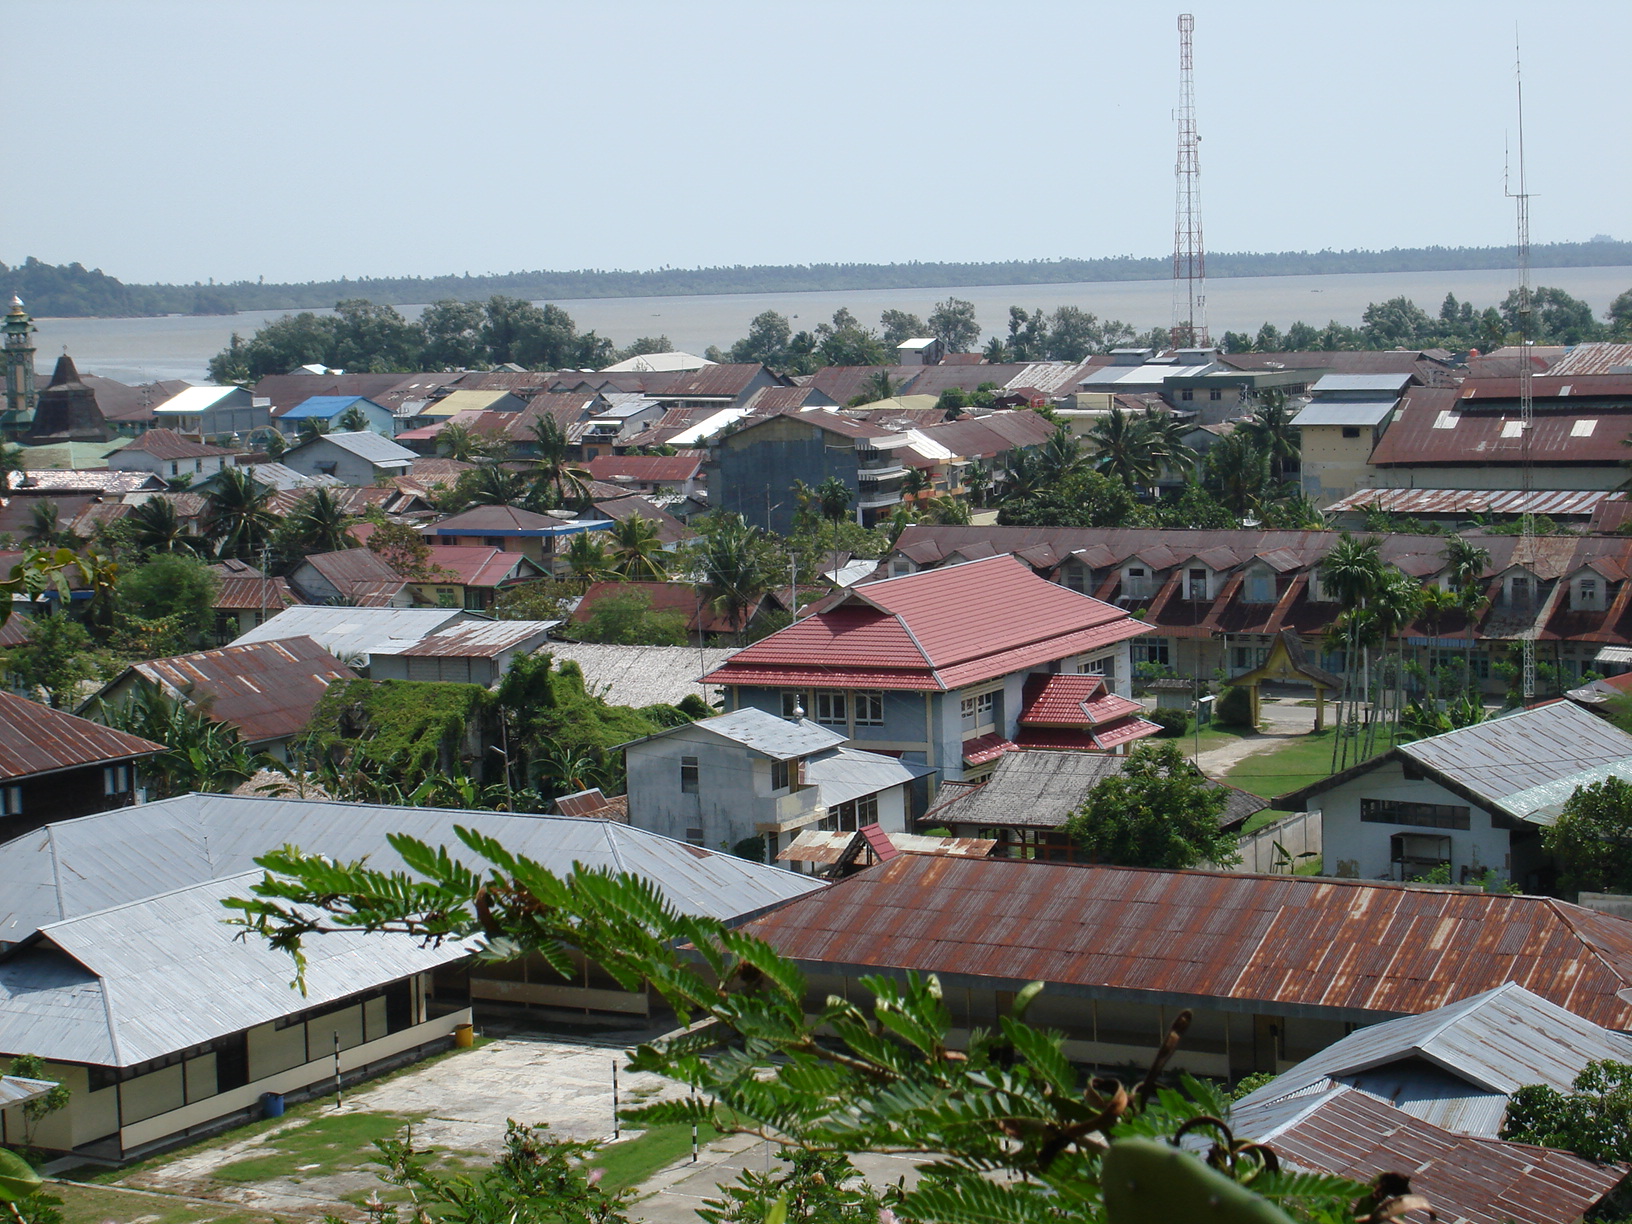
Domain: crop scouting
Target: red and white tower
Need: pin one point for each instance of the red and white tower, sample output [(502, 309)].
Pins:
[(1189, 254)]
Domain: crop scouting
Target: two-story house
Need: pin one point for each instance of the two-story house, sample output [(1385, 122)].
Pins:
[(753, 775), (168, 454), (951, 667), (55, 766), (361, 458)]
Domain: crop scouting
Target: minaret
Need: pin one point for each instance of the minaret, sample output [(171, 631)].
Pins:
[(20, 396)]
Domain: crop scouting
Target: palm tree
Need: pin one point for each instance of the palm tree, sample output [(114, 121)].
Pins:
[(637, 551), (1167, 439), (201, 754), (353, 420), (1238, 473), (156, 527), (237, 513), (587, 557), (737, 568), (1124, 449), (1026, 474), (275, 445), (996, 351), (880, 386), (1353, 573), (44, 523), (12, 459), (1061, 455), (1271, 429), (919, 480), (456, 441), (1465, 562), (977, 478), (321, 523), (552, 466), (311, 428), (834, 498), (491, 485)]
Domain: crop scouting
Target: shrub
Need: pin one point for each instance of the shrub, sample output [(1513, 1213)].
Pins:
[(1233, 708), (1172, 722)]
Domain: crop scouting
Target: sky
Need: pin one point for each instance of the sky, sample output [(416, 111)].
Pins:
[(177, 140)]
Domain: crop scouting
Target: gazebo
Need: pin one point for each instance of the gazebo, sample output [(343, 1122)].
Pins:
[(1288, 663)]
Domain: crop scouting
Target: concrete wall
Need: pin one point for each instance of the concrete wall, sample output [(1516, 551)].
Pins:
[(1352, 847), (324, 458), (1333, 466)]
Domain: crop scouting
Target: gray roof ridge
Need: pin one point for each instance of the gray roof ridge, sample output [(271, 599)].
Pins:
[(107, 1010), (144, 900), (56, 868)]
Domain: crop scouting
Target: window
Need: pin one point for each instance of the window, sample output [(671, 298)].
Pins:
[(1196, 582), (1260, 586), (1518, 591), (688, 775), (795, 704), (779, 775), (1415, 854), (117, 780), (694, 835), (447, 597), (832, 708), (1587, 594), (1136, 582), (1215, 394), (979, 710), (900, 568), (850, 816), (175, 469), (1187, 395), (1105, 666), (1351, 431), (1156, 651), (870, 709), (11, 801), (1245, 658), (1405, 812), (1074, 577), (198, 465)]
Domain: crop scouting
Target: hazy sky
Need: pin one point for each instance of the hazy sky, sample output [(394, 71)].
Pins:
[(306, 140)]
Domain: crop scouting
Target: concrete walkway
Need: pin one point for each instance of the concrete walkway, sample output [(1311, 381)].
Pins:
[(1280, 722)]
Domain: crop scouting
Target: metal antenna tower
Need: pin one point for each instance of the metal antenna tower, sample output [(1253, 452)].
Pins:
[(1189, 255), (1527, 408)]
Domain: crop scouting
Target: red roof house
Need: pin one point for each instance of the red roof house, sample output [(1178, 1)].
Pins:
[(938, 663)]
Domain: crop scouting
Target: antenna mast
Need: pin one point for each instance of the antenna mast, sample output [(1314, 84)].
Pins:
[(1189, 256), (1527, 408)]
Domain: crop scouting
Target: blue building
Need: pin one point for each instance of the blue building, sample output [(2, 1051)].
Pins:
[(328, 409)]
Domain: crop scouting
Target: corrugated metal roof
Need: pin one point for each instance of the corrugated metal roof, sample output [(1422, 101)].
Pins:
[(195, 399), (825, 848), (846, 774), (649, 468), (168, 444), (1556, 503), (35, 739), (477, 565), (1490, 1044), (1364, 413), (110, 858), (350, 633), (643, 675), (267, 690), (1468, 1180), (1594, 358), (365, 444), (14, 1089), (141, 980), (779, 738), (325, 407), (1344, 949), (478, 640), (1387, 384)]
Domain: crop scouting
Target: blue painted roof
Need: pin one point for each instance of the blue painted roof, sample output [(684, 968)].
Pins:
[(325, 406)]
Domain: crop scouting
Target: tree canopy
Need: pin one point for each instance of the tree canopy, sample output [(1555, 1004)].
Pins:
[(1160, 811), (1592, 839)]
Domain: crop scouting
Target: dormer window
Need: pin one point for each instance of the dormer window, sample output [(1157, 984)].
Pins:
[(1195, 584), (1589, 594), (1136, 581), (1260, 586), (1519, 593)]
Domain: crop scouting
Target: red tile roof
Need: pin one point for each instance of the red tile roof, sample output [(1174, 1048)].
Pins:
[(649, 468), (35, 739), (1349, 946), (940, 629), (985, 748)]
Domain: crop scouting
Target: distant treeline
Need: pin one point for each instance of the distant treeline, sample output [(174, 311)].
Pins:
[(72, 290)]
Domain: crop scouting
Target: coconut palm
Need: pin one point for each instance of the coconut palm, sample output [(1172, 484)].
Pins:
[(312, 428), (44, 524), (834, 498), (919, 480), (1061, 455), (1238, 474), (1465, 562), (321, 523), (553, 468), (977, 478), (491, 485), (456, 441), (1353, 573), (353, 420), (12, 459), (637, 551), (1271, 429), (737, 567), (880, 386), (155, 526), (1026, 474), (587, 557), (238, 515), (1124, 449), (201, 754), (1167, 440)]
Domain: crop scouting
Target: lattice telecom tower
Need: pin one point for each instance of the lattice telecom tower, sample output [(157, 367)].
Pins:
[(1527, 407), (1189, 255)]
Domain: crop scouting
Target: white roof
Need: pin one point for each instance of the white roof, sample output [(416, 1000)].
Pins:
[(1345, 412), (355, 633), (701, 431), (657, 363), (643, 675), (283, 478), (850, 773), (194, 399), (781, 738), (927, 446), (917, 342)]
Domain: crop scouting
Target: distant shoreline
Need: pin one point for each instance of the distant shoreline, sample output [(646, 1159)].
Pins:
[(223, 300)]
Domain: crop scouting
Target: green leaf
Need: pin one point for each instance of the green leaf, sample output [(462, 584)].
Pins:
[(18, 1180), (1150, 1182)]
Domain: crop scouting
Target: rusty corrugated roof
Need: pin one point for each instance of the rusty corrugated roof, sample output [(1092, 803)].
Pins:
[(35, 739), (1339, 948)]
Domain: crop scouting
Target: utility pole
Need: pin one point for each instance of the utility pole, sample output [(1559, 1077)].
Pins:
[(1189, 328), (1527, 409)]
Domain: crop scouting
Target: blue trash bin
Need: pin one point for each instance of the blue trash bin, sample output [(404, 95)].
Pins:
[(271, 1104)]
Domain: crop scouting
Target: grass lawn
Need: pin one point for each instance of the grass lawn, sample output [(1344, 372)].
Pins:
[(631, 1161), (1304, 759), (97, 1205), (327, 1143)]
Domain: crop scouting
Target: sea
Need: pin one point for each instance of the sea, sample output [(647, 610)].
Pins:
[(180, 346)]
